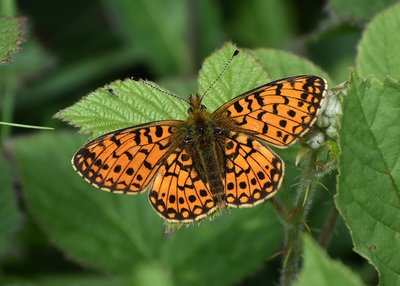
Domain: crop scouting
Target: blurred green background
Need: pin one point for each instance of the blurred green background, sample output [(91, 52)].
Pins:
[(73, 47)]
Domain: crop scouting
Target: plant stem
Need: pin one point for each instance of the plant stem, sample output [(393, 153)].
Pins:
[(295, 221), (327, 231)]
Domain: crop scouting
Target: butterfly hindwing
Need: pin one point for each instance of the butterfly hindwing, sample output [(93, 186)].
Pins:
[(178, 193), (279, 112), (125, 160), (253, 171)]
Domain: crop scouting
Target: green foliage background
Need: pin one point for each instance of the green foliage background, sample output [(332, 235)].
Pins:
[(55, 229)]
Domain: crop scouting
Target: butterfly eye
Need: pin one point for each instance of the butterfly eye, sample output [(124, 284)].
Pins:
[(218, 131), (203, 107), (190, 110), (189, 137)]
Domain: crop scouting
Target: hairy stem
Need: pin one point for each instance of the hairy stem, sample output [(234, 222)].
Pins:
[(328, 229), (295, 222)]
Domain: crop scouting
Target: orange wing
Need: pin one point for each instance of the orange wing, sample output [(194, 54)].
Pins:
[(177, 193), (125, 160), (278, 112), (253, 171)]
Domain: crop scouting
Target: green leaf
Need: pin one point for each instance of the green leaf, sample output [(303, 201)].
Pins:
[(378, 54), (280, 64), (359, 9), (11, 36), (243, 74), (369, 182), (123, 234), (320, 269), (129, 103), (10, 216), (178, 85)]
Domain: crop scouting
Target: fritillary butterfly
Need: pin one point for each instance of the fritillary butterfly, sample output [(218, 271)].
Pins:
[(211, 160)]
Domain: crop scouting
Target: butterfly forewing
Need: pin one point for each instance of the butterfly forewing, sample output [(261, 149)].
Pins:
[(278, 112), (178, 193), (125, 161), (253, 171)]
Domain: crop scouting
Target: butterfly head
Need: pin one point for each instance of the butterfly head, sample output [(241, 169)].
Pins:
[(195, 104)]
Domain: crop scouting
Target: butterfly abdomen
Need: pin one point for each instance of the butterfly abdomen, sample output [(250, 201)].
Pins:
[(211, 167)]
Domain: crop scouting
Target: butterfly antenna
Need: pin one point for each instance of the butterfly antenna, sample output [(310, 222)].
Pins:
[(148, 83), (235, 53)]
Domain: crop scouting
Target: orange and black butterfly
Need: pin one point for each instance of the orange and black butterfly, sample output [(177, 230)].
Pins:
[(210, 160)]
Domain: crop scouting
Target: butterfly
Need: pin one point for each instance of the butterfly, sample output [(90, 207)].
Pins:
[(209, 161)]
